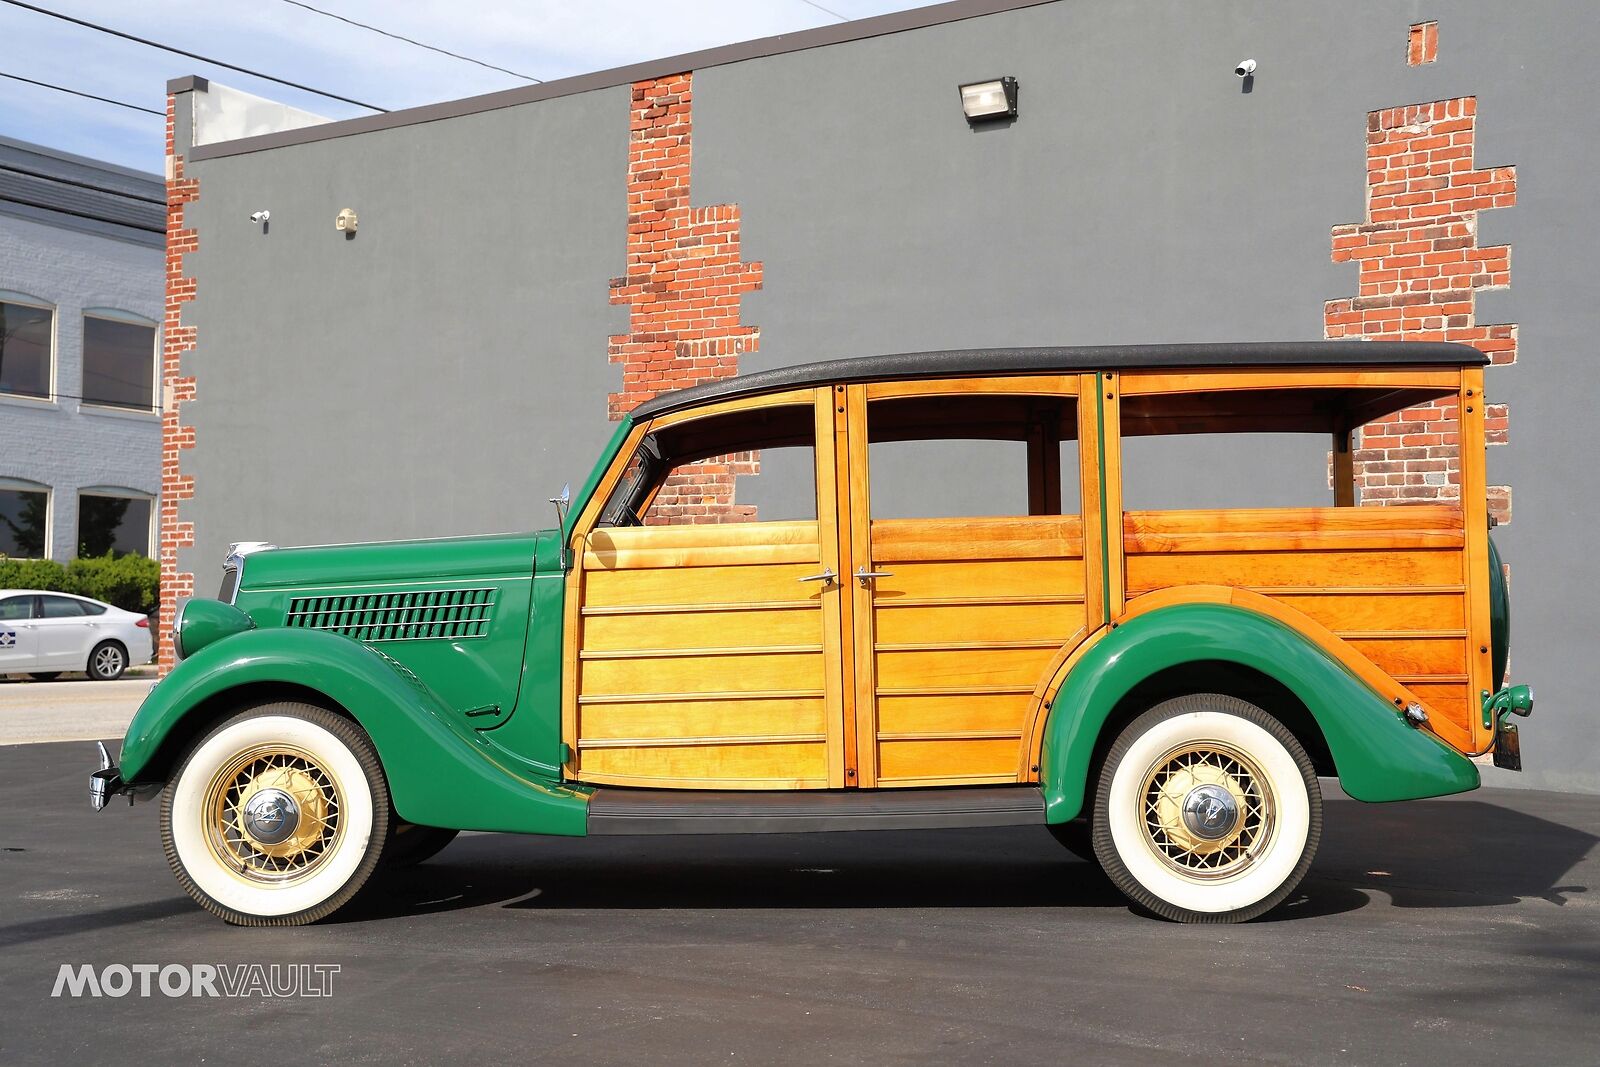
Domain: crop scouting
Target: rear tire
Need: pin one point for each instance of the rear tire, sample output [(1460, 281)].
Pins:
[(1207, 811), (107, 661), (277, 817)]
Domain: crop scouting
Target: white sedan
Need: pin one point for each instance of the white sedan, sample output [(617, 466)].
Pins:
[(45, 634)]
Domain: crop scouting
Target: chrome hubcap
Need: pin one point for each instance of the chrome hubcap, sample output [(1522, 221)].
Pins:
[(271, 816), (108, 660), (1210, 812)]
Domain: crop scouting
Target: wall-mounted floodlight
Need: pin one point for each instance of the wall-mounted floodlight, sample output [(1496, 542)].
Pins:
[(990, 100)]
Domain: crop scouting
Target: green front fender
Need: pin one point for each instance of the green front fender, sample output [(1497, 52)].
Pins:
[(441, 772), (1377, 754)]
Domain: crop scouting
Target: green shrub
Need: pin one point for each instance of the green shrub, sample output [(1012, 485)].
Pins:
[(130, 582)]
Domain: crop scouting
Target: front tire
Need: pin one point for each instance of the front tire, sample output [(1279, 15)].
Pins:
[(107, 661), (1207, 811), (278, 817)]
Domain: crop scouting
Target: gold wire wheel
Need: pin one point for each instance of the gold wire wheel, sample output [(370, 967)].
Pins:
[(273, 814), (1208, 810)]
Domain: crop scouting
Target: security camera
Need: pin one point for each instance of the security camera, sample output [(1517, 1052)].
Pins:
[(260, 216), (1246, 68)]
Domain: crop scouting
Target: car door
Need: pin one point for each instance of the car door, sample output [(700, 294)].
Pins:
[(965, 556), (18, 640), (704, 605), (65, 632)]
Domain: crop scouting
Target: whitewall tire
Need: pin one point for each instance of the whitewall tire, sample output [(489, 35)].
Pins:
[(278, 816), (1207, 810)]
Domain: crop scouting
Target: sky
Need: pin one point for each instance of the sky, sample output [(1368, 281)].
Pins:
[(546, 39)]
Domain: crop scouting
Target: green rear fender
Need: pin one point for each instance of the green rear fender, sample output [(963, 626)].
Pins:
[(1377, 754), (441, 772)]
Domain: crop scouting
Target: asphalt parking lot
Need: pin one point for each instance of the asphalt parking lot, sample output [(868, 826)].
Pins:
[(1459, 931)]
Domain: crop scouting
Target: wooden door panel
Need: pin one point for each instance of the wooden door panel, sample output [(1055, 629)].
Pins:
[(662, 720), (968, 613), (703, 661), (799, 624), (966, 761), (986, 713), (750, 765), (898, 623)]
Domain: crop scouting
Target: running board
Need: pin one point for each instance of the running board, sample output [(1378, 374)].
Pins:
[(674, 811)]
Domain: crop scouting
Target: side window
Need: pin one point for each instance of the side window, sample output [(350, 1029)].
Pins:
[(16, 607), (1269, 448), (60, 607), (746, 466), (968, 456)]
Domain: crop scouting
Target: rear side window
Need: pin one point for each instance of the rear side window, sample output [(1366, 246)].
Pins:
[(60, 607), (16, 607)]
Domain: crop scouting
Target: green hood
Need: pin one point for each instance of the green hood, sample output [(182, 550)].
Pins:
[(390, 561)]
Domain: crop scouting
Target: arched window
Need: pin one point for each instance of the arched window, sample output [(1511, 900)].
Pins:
[(24, 518), (114, 519), (27, 342), (119, 359)]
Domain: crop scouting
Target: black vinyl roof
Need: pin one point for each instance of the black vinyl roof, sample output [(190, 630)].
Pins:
[(981, 362)]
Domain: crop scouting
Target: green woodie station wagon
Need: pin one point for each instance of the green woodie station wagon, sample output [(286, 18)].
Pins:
[(1161, 688)]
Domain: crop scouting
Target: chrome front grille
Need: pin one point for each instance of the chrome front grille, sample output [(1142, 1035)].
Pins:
[(414, 615)]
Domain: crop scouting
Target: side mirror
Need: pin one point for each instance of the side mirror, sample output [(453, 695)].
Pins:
[(562, 502)]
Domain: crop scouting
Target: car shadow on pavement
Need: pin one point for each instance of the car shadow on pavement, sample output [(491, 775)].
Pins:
[(1424, 854), (93, 922)]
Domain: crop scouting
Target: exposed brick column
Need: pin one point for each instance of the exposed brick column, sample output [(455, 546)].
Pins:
[(683, 285), (1419, 271), (176, 339)]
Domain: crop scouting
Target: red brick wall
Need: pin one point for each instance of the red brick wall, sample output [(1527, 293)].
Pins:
[(1419, 270), (1422, 43), (683, 286), (176, 339)]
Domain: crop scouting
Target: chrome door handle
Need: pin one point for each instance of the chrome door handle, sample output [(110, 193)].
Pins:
[(863, 575), (825, 577)]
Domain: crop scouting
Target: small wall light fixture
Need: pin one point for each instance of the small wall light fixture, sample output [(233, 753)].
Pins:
[(989, 101)]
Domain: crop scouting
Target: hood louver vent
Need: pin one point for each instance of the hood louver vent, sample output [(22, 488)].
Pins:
[(424, 615)]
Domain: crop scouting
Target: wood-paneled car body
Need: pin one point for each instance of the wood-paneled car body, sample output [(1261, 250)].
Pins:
[(1161, 687)]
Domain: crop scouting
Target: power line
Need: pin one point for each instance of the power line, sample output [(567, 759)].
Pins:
[(86, 96), (191, 55), (826, 11), (409, 40)]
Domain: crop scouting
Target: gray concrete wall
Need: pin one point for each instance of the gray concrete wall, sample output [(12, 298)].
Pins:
[(441, 372), (1141, 196), (63, 443)]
